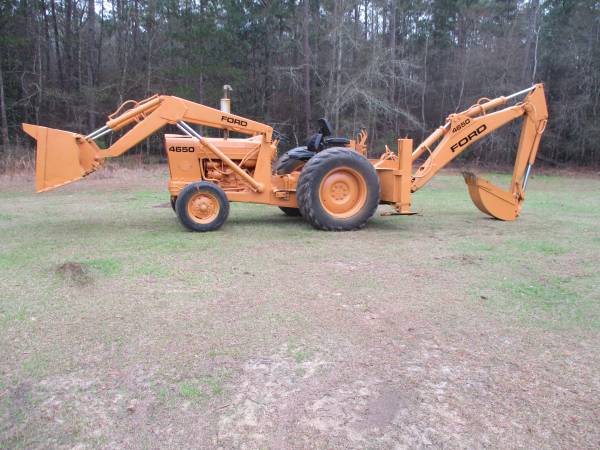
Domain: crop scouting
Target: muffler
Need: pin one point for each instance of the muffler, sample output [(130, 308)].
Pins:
[(61, 157)]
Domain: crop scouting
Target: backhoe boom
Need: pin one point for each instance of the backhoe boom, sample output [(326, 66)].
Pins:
[(465, 128)]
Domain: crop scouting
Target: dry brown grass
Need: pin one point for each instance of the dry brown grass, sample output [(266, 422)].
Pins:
[(16, 160)]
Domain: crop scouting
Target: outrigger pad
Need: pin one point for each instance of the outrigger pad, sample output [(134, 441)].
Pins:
[(490, 199), (62, 157)]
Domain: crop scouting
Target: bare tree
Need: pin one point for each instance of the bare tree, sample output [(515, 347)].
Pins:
[(5, 141), (393, 66), (91, 62), (306, 64)]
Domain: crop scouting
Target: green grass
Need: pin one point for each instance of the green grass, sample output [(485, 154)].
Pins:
[(200, 388), (300, 356), (126, 236), (35, 366), (539, 246), (15, 259), (190, 390), (552, 302), (106, 267), (214, 384), (11, 313)]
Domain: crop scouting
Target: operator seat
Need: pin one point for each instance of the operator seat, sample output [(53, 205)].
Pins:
[(323, 139), (319, 141)]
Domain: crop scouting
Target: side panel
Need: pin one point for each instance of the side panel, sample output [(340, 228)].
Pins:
[(190, 161), (184, 165)]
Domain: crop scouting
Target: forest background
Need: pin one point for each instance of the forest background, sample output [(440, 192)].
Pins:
[(394, 67)]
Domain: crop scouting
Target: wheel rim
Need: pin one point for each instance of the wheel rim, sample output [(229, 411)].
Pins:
[(203, 207), (343, 192)]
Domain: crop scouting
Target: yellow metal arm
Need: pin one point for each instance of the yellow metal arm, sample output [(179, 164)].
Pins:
[(459, 133), (465, 128), (453, 144), (165, 110), (475, 110), (63, 156)]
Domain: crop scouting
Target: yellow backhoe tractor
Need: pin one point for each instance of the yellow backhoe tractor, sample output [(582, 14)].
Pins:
[(330, 181)]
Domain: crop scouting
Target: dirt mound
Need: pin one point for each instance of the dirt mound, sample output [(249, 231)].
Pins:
[(75, 273)]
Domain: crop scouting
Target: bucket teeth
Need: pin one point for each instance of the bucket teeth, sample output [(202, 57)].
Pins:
[(490, 199)]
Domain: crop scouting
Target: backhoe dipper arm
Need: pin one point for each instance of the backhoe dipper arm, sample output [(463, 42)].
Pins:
[(465, 128)]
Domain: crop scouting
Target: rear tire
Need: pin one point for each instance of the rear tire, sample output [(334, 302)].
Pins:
[(173, 201), (202, 206), (291, 212), (286, 164), (338, 190)]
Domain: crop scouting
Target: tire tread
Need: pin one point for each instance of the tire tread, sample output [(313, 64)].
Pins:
[(308, 183)]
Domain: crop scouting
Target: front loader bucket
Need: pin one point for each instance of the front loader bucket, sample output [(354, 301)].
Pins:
[(491, 199), (61, 157)]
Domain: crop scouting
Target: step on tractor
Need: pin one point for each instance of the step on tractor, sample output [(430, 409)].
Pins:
[(331, 182)]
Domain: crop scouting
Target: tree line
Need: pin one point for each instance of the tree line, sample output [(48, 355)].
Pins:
[(393, 67)]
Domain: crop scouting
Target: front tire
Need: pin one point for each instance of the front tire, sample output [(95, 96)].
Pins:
[(338, 190), (202, 206)]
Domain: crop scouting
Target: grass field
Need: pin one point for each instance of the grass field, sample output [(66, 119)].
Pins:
[(118, 329)]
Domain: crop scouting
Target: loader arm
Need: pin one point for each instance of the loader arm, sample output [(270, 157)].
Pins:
[(464, 129), (63, 157), (171, 110)]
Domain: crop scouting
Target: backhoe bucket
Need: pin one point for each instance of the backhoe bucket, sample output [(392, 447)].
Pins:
[(61, 157), (491, 199)]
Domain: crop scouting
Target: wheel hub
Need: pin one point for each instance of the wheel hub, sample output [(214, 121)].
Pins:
[(340, 191), (203, 207), (343, 192)]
